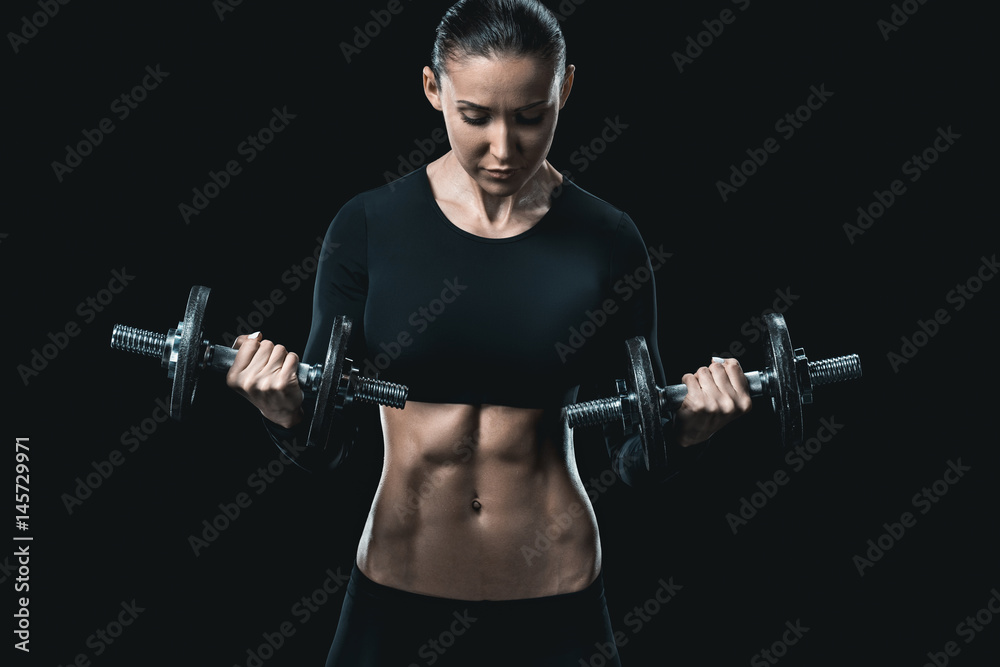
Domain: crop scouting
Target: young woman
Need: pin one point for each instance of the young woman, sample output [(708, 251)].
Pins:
[(478, 267)]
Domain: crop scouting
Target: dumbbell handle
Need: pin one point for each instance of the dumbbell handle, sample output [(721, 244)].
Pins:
[(608, 410), (220, 358), (671, 397)]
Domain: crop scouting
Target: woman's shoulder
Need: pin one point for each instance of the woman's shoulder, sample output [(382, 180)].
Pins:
[(402, 191), (387, 201), (587, 209)]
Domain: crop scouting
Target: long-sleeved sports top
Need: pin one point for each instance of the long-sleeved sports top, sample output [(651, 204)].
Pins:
[(521, 321)]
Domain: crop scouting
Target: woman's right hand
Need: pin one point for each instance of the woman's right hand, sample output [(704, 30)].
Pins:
[(716, 395), (266, 374)]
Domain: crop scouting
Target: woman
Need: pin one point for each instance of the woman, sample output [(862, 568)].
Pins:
[(478, 267)]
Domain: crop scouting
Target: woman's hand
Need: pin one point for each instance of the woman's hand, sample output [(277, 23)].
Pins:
[(267, 375), (716, 395)]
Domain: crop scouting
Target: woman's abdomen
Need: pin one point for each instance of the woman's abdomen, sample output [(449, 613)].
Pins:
[(479, 502)]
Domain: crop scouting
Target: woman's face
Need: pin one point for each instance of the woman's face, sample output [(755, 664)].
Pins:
[(500, 114)]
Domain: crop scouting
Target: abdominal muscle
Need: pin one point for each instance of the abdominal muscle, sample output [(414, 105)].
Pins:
[(479, 503)]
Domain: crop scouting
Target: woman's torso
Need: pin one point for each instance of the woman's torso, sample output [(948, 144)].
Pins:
[(479, 496)]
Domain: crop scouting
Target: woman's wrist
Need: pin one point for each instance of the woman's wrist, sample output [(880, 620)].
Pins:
[(285, 419)]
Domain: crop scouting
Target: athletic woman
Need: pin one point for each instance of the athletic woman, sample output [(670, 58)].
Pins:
[(481, 269)]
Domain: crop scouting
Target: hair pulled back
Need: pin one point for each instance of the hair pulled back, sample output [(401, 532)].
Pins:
[(493, 28)]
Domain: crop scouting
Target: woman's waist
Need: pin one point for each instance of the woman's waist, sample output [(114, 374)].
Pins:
[(503, 494), (467, 561), (441, 533), (569, 601)]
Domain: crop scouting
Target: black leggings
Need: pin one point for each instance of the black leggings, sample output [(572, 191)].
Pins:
[(386, 627)]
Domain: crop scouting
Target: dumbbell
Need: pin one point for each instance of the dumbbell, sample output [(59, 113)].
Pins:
[(185, 354), (787, 380)]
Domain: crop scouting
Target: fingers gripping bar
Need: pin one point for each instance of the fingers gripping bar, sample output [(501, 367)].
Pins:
[(184, 354), (787, 381)]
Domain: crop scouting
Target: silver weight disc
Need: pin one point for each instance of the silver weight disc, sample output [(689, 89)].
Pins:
[(329, 397), (642, 386), (783, 385), (188, 352)]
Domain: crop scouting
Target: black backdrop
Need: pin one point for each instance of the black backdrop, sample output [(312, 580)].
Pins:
[(111, 229)]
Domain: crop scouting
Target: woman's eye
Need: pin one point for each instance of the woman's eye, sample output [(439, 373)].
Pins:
[(521, 120)]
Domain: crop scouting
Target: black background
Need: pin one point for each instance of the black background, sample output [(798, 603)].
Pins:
[(782, 230)]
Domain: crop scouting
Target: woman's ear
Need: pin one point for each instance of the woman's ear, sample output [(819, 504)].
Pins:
[(567, 85), (431, 89)]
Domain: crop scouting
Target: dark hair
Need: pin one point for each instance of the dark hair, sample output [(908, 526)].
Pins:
[(498, 27)]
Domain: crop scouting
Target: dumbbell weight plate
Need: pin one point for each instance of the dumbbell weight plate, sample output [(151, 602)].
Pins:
[(783, 382), (185, 380), (329, 397), (647, 403)]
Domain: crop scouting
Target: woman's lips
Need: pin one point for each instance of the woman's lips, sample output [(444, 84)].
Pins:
[(501, 173)]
